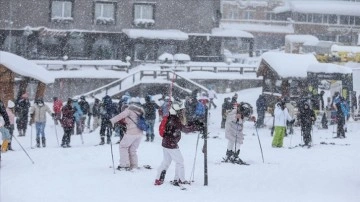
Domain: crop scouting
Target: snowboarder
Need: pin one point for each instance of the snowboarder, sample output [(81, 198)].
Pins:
[(67, 122), (132, 138), (150, 108), (22, 106), (307, 118), (176, 123), (234, 131), (281, 115), (38, 116)]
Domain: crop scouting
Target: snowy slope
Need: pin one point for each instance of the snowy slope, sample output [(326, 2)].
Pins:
[(83, 173)]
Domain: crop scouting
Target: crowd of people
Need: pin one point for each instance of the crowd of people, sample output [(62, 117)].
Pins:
[(185, 116)]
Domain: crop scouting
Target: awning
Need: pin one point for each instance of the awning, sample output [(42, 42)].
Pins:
[(24, 67), (168, 34), (221, 32)]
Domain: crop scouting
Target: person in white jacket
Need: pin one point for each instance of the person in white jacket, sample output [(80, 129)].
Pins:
[(130, 143), (281, 115)]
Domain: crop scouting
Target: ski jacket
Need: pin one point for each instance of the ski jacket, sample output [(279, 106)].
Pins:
[(39, 112), (108, 109), (67, 119), (234, 128), (96, 110), (22, 108), (57, 106), (84, 106), (130, 114), (150, 110), (172, 134), (281, 116), (78, 113), (261, 103), (306, 117)]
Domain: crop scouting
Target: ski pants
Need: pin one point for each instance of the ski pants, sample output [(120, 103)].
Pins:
[(232, 146), (306, 132), (261, 117), (67, 135), (128, 150), (168, 156), (340, 126), (212, 103), (150, 130), (5, 133), (40, 129), (279, 136)]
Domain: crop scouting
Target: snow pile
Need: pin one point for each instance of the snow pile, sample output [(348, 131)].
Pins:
[(329, 68), (170, 34)]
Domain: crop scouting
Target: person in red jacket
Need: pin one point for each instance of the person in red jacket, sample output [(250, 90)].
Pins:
[(57, 109), (176, 124), (67, 122)]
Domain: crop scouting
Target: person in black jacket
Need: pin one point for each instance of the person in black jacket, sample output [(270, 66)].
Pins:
[(150, 108), (225, 109), (261, 109), (22, 106), (307, 118), (85, 108)]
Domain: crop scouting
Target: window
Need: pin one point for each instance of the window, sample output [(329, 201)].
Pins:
[(61, 10), (357, 20), (317, 18), (301, 17), (248, 15), (344, 20), (104, 13), (145, 52), (167, 48), (309, 17), (325, 19), (144, 14), (332, 19)]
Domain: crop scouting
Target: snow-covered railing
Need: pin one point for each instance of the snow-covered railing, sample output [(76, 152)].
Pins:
[(137, 77), (78, 64)]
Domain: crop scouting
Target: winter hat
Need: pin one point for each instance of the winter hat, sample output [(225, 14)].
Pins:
[(10, 104), (175, 107)]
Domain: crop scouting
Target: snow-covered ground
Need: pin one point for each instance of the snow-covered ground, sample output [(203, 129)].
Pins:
[(83, 172)]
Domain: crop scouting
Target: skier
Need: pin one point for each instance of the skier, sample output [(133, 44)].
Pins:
[(225, 109), (150, 115), (261, 109), (281, 114), (132, 138), (38, 116), (233, 131), (67, 122), (78, 114), (85, 108), (340, 115), (95, 112), (11, 115), (175, 124), (212, 96), (307, 118), (108, 110), (22, 106), (234, 99), (57, 105)]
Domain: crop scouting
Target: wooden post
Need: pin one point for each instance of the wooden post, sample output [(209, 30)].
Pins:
[(7, 82), (40, 90)]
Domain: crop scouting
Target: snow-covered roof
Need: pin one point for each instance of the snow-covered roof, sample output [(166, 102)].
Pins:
[(301, 39), (166, 56), (24, 67), (169, 34), (321, 7), (289, 65), (350, 49), (181, 57), (223, 32), (329, 68), (288, 29)]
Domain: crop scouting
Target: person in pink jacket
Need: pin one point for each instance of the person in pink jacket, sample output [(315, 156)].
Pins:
[(130, 143)]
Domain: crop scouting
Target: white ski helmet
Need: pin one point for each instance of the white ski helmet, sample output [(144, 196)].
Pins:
[(175, 107)]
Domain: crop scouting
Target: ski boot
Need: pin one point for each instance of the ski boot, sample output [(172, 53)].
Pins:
[(38, 142), (102, 142), (152, 138), (160, 181), (108, 140), (147, 138), (9, 147), (43, 140), (236, 159), (229, 154)]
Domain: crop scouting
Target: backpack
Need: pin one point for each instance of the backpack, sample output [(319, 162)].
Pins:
[(162, 125), (141, 123), (199, 110)]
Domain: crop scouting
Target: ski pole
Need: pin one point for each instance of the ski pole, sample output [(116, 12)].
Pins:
[(23, 148), (192, 175), (31, 133), (262, 155), (56, 133), (111, 149)]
